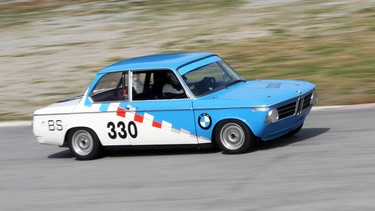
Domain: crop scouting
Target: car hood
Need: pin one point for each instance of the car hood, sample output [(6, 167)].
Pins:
[(257, 93), (62, 107)]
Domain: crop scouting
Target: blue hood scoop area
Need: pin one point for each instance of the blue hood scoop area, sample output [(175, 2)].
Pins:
[(274, 85)]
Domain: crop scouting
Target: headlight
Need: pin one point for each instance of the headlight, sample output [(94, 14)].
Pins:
[(314, 99), (272, 116)]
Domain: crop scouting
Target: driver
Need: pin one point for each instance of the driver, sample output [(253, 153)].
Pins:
[(137, 84), (172, 89)]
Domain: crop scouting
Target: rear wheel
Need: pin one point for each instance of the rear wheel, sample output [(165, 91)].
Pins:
[(233, 137), (84, 144)]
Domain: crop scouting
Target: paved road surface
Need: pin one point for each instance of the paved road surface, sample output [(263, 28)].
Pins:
[(329, 165)]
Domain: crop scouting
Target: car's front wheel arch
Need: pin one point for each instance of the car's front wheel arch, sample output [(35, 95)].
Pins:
[(243, 137)]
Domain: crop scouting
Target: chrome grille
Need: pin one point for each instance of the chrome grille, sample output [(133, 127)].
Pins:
[(295, 107), (299, 105)]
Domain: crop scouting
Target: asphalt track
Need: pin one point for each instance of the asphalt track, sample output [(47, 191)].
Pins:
[(329, 165)]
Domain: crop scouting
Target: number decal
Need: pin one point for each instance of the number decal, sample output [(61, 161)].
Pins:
[(111, 126), (122, 133), (132, 128), (121, 130), (55, 125), (51, 125)]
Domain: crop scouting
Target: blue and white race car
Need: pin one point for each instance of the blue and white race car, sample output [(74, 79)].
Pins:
[(174, 99)]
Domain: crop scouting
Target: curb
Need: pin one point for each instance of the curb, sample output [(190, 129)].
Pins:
[(344, 107), (317, 108)]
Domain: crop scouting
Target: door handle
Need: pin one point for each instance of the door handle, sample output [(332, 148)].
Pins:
[(130, 108)]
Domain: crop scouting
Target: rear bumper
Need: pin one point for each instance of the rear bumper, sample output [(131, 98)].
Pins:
[(43, 132)]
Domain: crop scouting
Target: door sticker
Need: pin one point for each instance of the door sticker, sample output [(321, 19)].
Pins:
[(205, 121)]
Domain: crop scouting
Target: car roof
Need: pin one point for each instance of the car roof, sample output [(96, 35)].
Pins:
[(157, 61)]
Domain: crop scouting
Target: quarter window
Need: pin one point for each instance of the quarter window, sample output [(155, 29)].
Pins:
[(111, 87)]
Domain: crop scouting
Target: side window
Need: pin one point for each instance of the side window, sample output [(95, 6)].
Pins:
[(154, 85), (142, 85), (111, 87)]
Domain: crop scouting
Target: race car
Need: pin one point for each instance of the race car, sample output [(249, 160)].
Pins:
[(174, 99)]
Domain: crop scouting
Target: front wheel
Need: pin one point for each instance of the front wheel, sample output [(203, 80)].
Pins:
[(84, 144), (233, 137)]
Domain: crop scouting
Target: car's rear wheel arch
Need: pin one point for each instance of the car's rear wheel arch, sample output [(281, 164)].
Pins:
[(66, 138), (98, 148), (70, 130)]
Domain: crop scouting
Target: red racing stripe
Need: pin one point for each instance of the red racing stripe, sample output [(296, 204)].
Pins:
[(138, 118), (121, 112), (156, 124)]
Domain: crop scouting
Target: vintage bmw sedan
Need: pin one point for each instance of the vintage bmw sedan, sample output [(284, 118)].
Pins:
[(174, 99)]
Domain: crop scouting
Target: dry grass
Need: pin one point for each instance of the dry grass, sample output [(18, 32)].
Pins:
[(32, 6), (52, 49)]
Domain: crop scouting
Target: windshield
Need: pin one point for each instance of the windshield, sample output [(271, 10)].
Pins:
[(210, 78)]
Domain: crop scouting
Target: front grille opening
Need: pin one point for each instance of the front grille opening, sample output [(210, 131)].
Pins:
[(286, 110), (306, 101), (296, 107)]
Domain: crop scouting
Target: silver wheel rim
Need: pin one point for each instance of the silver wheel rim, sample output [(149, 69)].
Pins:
[(82, 142), (232, 136)]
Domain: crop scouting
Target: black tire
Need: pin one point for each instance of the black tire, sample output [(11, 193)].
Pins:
[(233, 137), (293, 132), (84, 144)]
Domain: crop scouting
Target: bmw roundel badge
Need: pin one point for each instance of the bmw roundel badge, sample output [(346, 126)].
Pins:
[(205, 121)]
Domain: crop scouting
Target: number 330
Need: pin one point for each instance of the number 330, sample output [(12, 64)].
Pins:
[(121, 130)]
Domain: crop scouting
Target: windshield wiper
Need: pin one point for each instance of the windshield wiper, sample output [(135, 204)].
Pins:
[(235, 82)]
